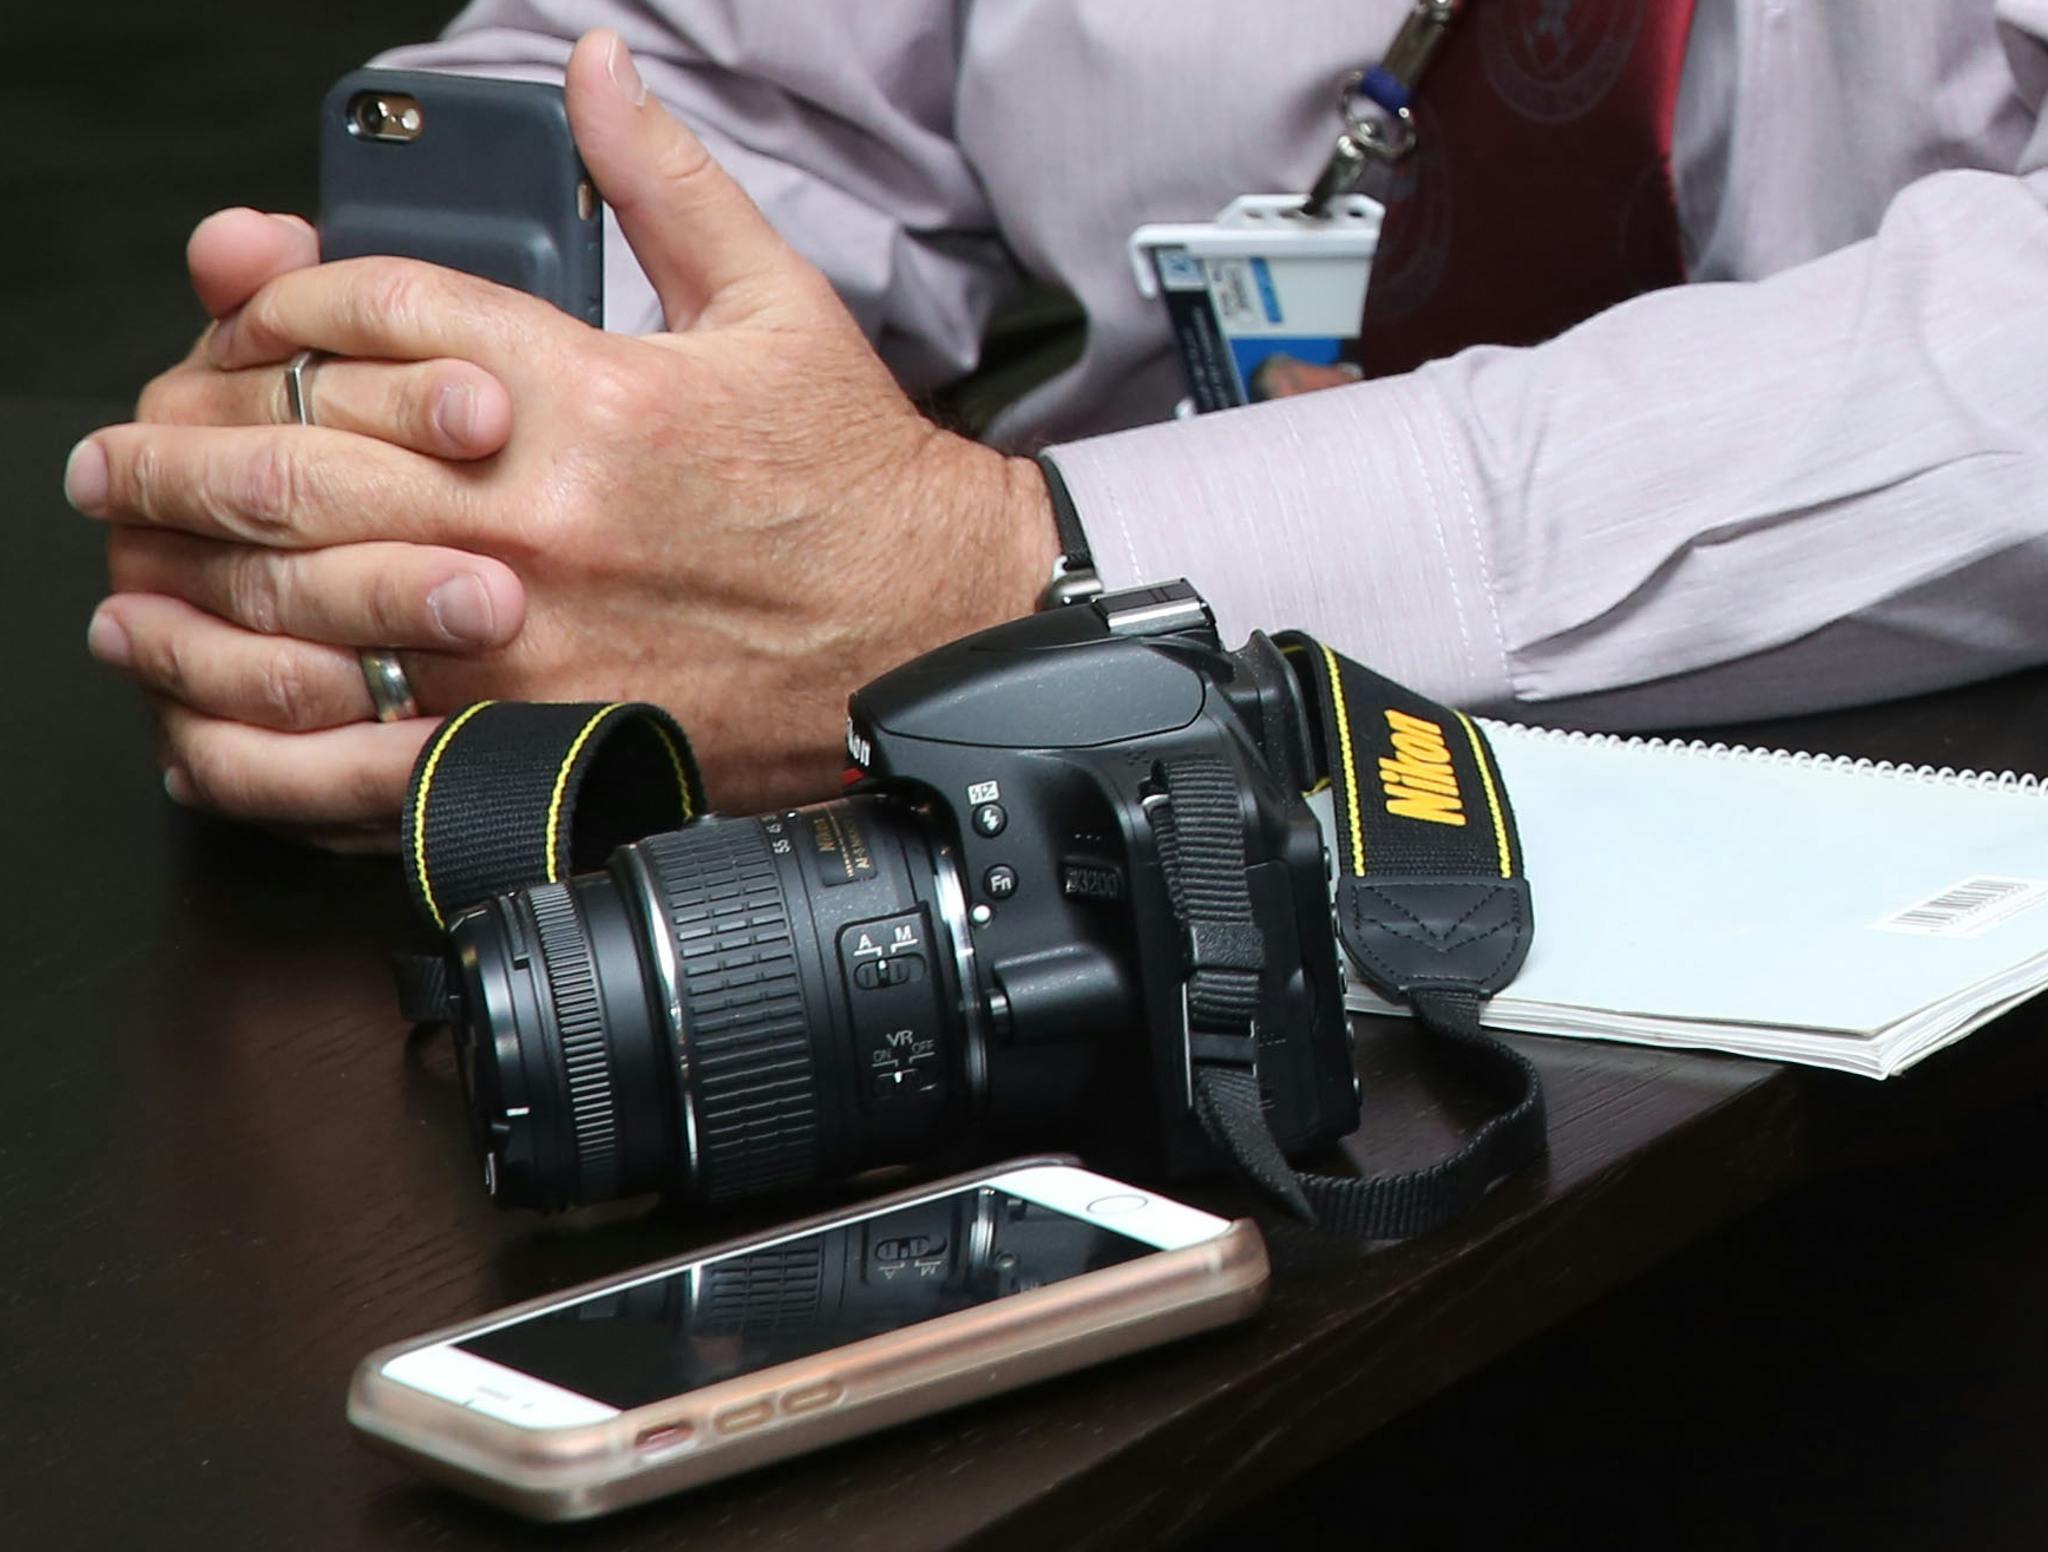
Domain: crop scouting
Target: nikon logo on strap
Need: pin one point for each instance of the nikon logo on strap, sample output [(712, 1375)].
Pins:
[(1420, 782)]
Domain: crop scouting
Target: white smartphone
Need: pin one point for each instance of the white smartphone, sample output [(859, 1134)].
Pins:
[(753, 1351)]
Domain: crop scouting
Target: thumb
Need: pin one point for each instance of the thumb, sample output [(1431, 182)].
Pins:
[(233, 253), (700, 239)]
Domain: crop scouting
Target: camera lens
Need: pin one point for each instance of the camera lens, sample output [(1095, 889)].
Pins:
[(737, 1007)]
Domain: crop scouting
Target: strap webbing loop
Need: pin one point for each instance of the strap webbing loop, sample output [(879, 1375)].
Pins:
[(1430, 906), (531, 792)]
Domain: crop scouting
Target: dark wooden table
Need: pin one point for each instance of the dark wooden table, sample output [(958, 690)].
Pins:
[(225, 1174)]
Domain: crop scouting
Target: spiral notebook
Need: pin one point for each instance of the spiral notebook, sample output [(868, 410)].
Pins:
[(1840, 913)]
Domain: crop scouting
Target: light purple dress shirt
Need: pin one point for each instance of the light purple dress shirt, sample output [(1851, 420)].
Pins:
[(1818, 474)]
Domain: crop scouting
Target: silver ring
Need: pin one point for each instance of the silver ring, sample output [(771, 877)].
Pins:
[(390, 690), (298, 386)]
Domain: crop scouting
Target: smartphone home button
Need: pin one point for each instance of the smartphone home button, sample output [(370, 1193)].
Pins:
[(1120, 1204)]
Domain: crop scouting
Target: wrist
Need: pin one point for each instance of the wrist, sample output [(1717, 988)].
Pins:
[(1033, 529), (1004, 541)]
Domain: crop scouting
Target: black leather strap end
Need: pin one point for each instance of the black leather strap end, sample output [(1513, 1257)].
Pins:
[(1407, 934), (1224, 1050), (1225, 945)]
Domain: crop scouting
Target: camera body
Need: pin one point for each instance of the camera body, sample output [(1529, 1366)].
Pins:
[(1039, 746), (979, 943)]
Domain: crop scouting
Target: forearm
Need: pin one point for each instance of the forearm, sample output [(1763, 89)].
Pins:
[(1822, 487)]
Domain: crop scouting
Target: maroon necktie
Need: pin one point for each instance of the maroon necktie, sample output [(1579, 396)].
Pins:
[(1539, 192)]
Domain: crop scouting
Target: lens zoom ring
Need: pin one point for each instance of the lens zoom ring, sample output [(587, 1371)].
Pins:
[(749, 1042), (579, 1017)]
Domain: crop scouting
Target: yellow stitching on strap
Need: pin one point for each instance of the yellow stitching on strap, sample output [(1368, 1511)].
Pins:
[(1500, 824), (1350, 765), (562, 783), (419, 809), (675, 758)]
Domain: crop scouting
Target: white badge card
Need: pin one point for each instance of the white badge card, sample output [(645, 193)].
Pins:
[(1264, 301)]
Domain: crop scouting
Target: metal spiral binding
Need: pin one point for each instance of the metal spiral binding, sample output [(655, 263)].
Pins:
[(1942, 775)]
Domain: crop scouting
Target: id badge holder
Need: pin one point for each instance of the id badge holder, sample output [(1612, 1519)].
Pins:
[(1264, 301)]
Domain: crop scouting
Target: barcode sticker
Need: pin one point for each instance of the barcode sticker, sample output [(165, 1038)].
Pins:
[(1967, 909)]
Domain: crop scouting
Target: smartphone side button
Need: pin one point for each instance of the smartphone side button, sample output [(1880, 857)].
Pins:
[(811, 1398), (664, 1437), (740, 1418)]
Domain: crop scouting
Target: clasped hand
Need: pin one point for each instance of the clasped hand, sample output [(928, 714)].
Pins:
[(741, 518)]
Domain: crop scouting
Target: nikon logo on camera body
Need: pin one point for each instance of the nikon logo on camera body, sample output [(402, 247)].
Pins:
[(1420, 781)]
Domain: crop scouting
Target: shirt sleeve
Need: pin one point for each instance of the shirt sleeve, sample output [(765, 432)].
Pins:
[(838, 120), (1712, 503)]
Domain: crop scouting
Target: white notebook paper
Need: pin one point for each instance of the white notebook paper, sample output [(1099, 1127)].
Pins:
[(1836, 912)]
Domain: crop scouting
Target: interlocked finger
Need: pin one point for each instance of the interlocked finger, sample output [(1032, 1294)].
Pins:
[(353, 595), (185, 655), (341, 776), (288, 487), (447, 409)]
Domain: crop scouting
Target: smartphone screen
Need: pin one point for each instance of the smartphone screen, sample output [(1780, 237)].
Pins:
[(690, 1326)]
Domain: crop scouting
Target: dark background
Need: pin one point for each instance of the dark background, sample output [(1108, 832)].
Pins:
[(1862, 1365), (126, 121)]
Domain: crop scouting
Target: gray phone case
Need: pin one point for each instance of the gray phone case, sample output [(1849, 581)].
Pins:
[(492, 185)]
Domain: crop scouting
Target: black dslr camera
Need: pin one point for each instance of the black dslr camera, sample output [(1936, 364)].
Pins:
[(988, 939)]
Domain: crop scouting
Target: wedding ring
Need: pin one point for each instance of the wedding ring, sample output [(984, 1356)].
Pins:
[(390, 690), (298, 386)]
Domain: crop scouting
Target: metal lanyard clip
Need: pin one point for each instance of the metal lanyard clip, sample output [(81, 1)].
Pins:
[(1369, 139), (1408, 56)]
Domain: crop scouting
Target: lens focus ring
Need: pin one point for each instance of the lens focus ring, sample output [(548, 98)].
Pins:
[(579, 1021), (748, 1042)]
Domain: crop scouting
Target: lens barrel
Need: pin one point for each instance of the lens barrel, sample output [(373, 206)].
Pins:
[(737, 1007)]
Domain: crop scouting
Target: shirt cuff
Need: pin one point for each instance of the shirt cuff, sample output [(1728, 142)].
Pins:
[(1348, 513)]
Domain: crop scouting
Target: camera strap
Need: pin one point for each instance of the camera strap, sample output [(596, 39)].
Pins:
[(1431, 907), (511, 793)]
